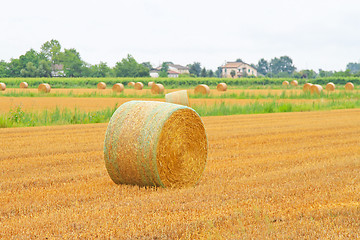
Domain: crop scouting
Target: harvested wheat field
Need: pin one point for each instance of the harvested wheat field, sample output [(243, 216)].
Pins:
[(288, 175)]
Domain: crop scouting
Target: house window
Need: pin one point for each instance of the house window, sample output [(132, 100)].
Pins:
[(248, 70)]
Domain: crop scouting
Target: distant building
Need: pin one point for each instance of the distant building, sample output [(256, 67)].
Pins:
[(57, 70), (178, 68), (154, 73), (241, 69), (173, 74)]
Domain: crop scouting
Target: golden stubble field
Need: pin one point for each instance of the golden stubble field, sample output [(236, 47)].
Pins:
[(290, 175)]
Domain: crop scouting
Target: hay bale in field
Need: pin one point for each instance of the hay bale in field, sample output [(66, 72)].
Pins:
[(44, 87), (330, 87), (101, 85), (138, 86), (349, 86), (202, 89), (315, 88), (179, 97), (150, 84), (294, 83), (150, 143), (2, 86), (285, 83), (118, 87), (131, 84), (306, 87), (222, 87), (157, 88), (24, 85)]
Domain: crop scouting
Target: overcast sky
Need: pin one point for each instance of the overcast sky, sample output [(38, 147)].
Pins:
[(315, 34)]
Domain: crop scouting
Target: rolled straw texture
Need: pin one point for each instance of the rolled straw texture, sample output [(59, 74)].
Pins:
[(222, 87), (118, 87), (2, 86), (285, 83), (44, 87), (150, 84), (349, 86), (316, 89), (101, 85), (306, 87), (139, 86), (330, 86), (157, 88), (179, 97), (150, 143), (131, 84), (24, 85), (294, 83), (202, 89)]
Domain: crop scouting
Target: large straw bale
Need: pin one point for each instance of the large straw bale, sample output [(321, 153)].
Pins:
[(306, 87), (150, 143), (285, 83), (179, 97), (294, 83), (150, 84), (24, 85), (222, 87), (349, 86), (157, 88), (2, 86), (44, 87), (118, 87), (315, 88), (131, 84), (202, 89), (138, 86), (330, 87), (101, 85)]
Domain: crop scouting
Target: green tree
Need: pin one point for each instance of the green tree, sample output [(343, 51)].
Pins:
[(51, 50), (73, 65), (128, 67), (164, 69), (203, 72), (29, 70), (15, 68), (323, 73), (195, 69), (44, 69), (239, 60), (232, 73), (282, 64), (210, 73), (353, 67), (262, 67), (4, 69), (147, 64), (99, 70)]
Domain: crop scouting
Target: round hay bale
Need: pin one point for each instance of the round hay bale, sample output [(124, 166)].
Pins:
[(349, 86), (202, 89), (150, 143), (179, 97), (150, 84), (330, 87), (118, 87), (24, 85), (131, 84), (294, 83), (139, 86), (157, 88), (285, 83), (101, 85), (2, 86), (222, 87), (44, 87), (306, 87), (315, 88)]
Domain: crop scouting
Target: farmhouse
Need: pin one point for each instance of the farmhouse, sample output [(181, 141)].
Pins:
[(241, 69), (178, 68)]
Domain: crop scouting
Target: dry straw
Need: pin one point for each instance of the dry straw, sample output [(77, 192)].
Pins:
[(131, 84), (349, 86), (316, 89), (139, 86), (294, 83), (151, 143), (285, 83), (24, 85), (179, 97), (202, 89), (44, 87), (330, 87), (306, 87), (101, 85), (157, 89), (150, 84), (2, 86), (118, 87), (222, 87)]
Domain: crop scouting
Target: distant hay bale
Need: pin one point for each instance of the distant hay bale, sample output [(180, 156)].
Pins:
[(157, 88), (44, 87), (138, 86), (285, 83), (150, 84), (179, 97), (24, 85), (150, 143), (131, 84), (294, 83), (306, 87), (101, 85), (222, 87), (349, 86), (118, 87), (330, 87), (202, 89), (2, 86), (316, 89)]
